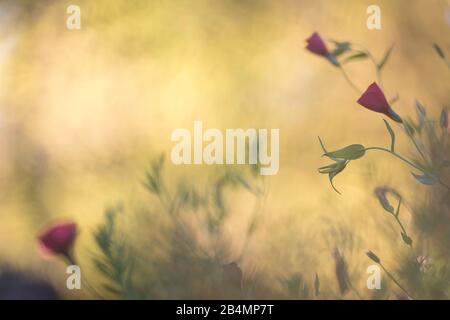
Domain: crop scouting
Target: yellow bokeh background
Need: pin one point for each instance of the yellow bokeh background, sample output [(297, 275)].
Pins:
[(82, 112)]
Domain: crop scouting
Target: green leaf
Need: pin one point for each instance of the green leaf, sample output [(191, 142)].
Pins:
[(409, 128), (341, 47), (427, 178), (421, 113), (392, 134), (420, 109), (406, 239), (333, 170), (351, 152), (321, 144), (357, 56), (385, 58), (331, 176), (338, 166), (105, 269), (327, 169), (325, 150), (154, 181), (316, 285), (113, 261)]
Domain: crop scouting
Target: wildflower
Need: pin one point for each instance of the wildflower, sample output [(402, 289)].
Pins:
[(316, 45), (424, 263), (59, 239), (373, 99)]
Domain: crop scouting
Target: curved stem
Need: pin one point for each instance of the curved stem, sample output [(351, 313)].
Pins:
[(372, 58), (412, 164), (396, 155), (401, 225), (349, 81)]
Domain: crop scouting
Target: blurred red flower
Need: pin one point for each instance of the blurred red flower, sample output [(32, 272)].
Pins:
[(59, 238), (317, 45), (373, 99)]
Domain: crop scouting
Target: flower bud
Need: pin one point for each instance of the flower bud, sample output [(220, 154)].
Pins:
[(373, 256), (59, 239), (374, 99), (316, 45)]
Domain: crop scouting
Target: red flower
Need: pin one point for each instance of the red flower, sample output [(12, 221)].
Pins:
[(373, 99), (59, 238), (316, 45)]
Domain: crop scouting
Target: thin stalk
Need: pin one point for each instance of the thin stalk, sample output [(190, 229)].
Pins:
[(406, 161), (404, 231), (416, 145), (401, 225), (375, 63), (349, 81), (409, 162), (418, 149), (444, 184), (395, 280)]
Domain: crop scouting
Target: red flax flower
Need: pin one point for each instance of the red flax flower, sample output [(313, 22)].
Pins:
[(317, 45), (373, 99), (59, 239)]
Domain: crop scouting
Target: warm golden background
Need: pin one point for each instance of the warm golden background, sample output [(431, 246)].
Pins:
[(83, 112)]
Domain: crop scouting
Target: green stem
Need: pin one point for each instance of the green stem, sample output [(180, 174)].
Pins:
[(349, 81), (401, 225), (395, 281), (412, 164), (409, 162), (404, 231), (375, 63), (418, 149), (415, 144)]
